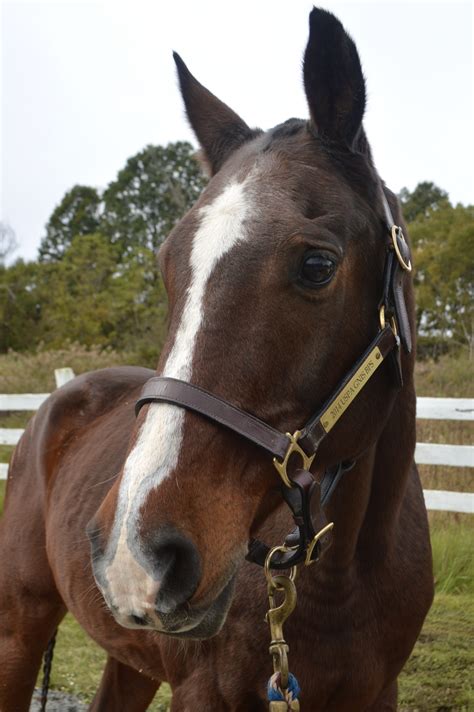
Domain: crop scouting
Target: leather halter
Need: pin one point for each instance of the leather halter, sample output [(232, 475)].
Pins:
[(299, 486)]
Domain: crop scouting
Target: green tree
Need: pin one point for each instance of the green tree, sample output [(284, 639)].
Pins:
[(150, 194), (89, 296), (139, 305), (420, 202), (75, 296), (20, 326), (443, 244), (93, 297), (97, 281), (78, 213)]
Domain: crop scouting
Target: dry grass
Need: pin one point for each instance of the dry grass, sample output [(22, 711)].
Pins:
[(34, 372), (450, 376)]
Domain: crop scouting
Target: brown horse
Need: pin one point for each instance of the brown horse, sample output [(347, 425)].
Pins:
[(275, 281)]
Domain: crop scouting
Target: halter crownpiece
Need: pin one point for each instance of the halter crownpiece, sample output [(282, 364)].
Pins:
[(305, 543)]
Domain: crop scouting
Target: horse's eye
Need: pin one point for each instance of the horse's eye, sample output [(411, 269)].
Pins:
[(317, 269)]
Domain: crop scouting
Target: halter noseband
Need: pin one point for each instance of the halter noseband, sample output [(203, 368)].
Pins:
[(298, 485)]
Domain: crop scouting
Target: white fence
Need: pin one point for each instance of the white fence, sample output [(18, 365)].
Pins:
[(425, 453)]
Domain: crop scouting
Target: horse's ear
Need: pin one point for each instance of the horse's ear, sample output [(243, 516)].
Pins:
[(333, 79), (218, 129)]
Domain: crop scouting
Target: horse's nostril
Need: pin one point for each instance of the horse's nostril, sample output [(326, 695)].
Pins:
[(138, 620), (177, 566)]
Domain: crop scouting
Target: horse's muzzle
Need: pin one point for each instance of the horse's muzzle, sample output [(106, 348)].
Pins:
[(149, 583)]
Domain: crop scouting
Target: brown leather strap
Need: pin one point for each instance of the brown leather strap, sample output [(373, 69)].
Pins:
[(305, 502), (170, 390), (318, 427), (186, 395)]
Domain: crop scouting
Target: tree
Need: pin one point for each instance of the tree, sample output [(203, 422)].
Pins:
[(93, 297), (443, 245), (20, 326), (150, 194), (8, 243), (89, 296), (77, 306), (96, 281), (138, 209), (425, 198), (78, 213)]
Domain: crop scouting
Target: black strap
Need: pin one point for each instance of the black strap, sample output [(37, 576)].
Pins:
[(390, 222), (393, 297), (47, 665), (331, 479)]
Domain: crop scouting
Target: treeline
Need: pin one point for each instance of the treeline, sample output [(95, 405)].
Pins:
[(96, 281), (442, 237)]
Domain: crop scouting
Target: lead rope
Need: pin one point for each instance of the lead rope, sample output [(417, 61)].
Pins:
[(283, 688), (47, 664)]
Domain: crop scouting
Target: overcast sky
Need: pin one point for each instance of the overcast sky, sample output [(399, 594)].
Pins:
[(85, 85)]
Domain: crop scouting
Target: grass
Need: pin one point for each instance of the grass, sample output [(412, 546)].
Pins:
[(438, 675), (34, 372), (78, 665), (448, 376), (453, 554), (435, 678)]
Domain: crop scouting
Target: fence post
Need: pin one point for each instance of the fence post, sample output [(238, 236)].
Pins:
[(63, 375)]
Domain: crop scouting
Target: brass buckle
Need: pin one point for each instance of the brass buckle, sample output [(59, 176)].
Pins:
[(293, 447), (396, 232), (393, 322), (268, 563), (309, 551)]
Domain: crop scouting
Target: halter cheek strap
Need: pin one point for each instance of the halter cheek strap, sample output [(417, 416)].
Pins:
[(302, 493)]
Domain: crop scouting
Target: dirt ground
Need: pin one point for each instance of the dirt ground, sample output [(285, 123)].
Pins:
[(58, 702)]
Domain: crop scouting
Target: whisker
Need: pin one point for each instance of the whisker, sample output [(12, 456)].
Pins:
[(103, 482)]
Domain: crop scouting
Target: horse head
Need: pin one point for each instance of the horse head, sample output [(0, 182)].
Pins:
[(274, 279)]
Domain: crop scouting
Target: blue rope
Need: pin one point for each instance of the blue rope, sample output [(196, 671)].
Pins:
[(276, 694)]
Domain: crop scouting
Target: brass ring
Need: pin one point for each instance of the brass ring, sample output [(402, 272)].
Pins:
[(382, 317), (406, 266), (267, 565), (310, 549)]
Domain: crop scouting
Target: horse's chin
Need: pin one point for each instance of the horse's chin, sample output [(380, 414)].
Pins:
[(207, 623)]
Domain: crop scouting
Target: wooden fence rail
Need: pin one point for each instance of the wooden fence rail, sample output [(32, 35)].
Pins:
[(425, 453)]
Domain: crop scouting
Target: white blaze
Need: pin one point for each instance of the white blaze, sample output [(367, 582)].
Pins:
[(156, 451)]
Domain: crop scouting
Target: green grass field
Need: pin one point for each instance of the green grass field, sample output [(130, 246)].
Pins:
[(439, 675)]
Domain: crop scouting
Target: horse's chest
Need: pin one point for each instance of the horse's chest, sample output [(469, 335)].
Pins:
[(339, 655), (342, 669)]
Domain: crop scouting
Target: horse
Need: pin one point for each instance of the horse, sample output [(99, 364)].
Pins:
[(283, 273)]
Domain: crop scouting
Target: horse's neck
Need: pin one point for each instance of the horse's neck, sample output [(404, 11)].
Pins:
[(366, 505)]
